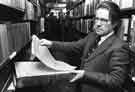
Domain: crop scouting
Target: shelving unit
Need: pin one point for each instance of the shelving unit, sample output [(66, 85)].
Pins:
[(8, 15), (15, 33)]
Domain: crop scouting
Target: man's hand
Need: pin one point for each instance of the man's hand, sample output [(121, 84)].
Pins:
[(79, 75), (45, 42)]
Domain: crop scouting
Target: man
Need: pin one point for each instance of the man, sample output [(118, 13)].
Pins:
[(106, 68)]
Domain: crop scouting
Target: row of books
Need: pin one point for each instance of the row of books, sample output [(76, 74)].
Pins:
[(85, 9), (4, 49), (13, 37), (19, 4), (32, 12), (83, 25)]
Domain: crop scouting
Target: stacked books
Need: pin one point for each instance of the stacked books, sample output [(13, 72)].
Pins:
[(18, 4)]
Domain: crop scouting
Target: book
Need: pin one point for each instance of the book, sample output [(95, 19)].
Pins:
[(4, 42), (19, 35)]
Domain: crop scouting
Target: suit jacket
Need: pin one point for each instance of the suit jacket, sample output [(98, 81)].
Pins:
[(106, 68)]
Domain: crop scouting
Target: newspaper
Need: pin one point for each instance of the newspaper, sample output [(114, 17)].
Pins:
[(43, 54), (47, 65)]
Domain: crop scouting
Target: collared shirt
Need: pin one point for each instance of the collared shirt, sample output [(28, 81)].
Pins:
[(103, 38)]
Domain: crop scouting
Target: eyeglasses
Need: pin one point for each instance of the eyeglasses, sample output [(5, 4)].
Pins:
[(102, 20)]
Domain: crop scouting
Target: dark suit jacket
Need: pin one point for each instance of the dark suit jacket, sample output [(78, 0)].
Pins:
[(106, 68)]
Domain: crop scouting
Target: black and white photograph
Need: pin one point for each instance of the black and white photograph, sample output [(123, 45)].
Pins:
[(67, 46)]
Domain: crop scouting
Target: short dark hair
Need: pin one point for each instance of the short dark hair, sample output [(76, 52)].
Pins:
[(114, 12)]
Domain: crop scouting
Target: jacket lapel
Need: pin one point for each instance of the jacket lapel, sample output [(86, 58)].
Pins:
[(105, 45), (90, 41)]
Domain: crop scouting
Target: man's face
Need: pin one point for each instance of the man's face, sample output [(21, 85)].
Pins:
[(102, 24)]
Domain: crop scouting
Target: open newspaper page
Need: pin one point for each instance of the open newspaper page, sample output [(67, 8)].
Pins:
[(43, 54)]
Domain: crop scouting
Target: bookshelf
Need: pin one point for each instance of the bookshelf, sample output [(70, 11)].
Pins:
[(17, 23), (11, 11)]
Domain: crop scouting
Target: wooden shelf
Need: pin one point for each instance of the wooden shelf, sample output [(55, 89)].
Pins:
[(127, 12)]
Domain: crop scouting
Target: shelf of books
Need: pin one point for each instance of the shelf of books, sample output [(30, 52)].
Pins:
[(33, 10), (84, 11), (15, 32), (11, 9), (15, 35), (15, 4)]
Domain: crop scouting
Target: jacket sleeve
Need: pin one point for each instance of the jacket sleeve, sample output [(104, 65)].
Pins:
[(119, 68), (74, 47)]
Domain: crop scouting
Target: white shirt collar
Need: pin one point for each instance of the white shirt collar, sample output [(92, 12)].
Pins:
[(103, 38)]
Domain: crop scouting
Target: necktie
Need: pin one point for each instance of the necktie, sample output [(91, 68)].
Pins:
[(98, 38), (91, 50)]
